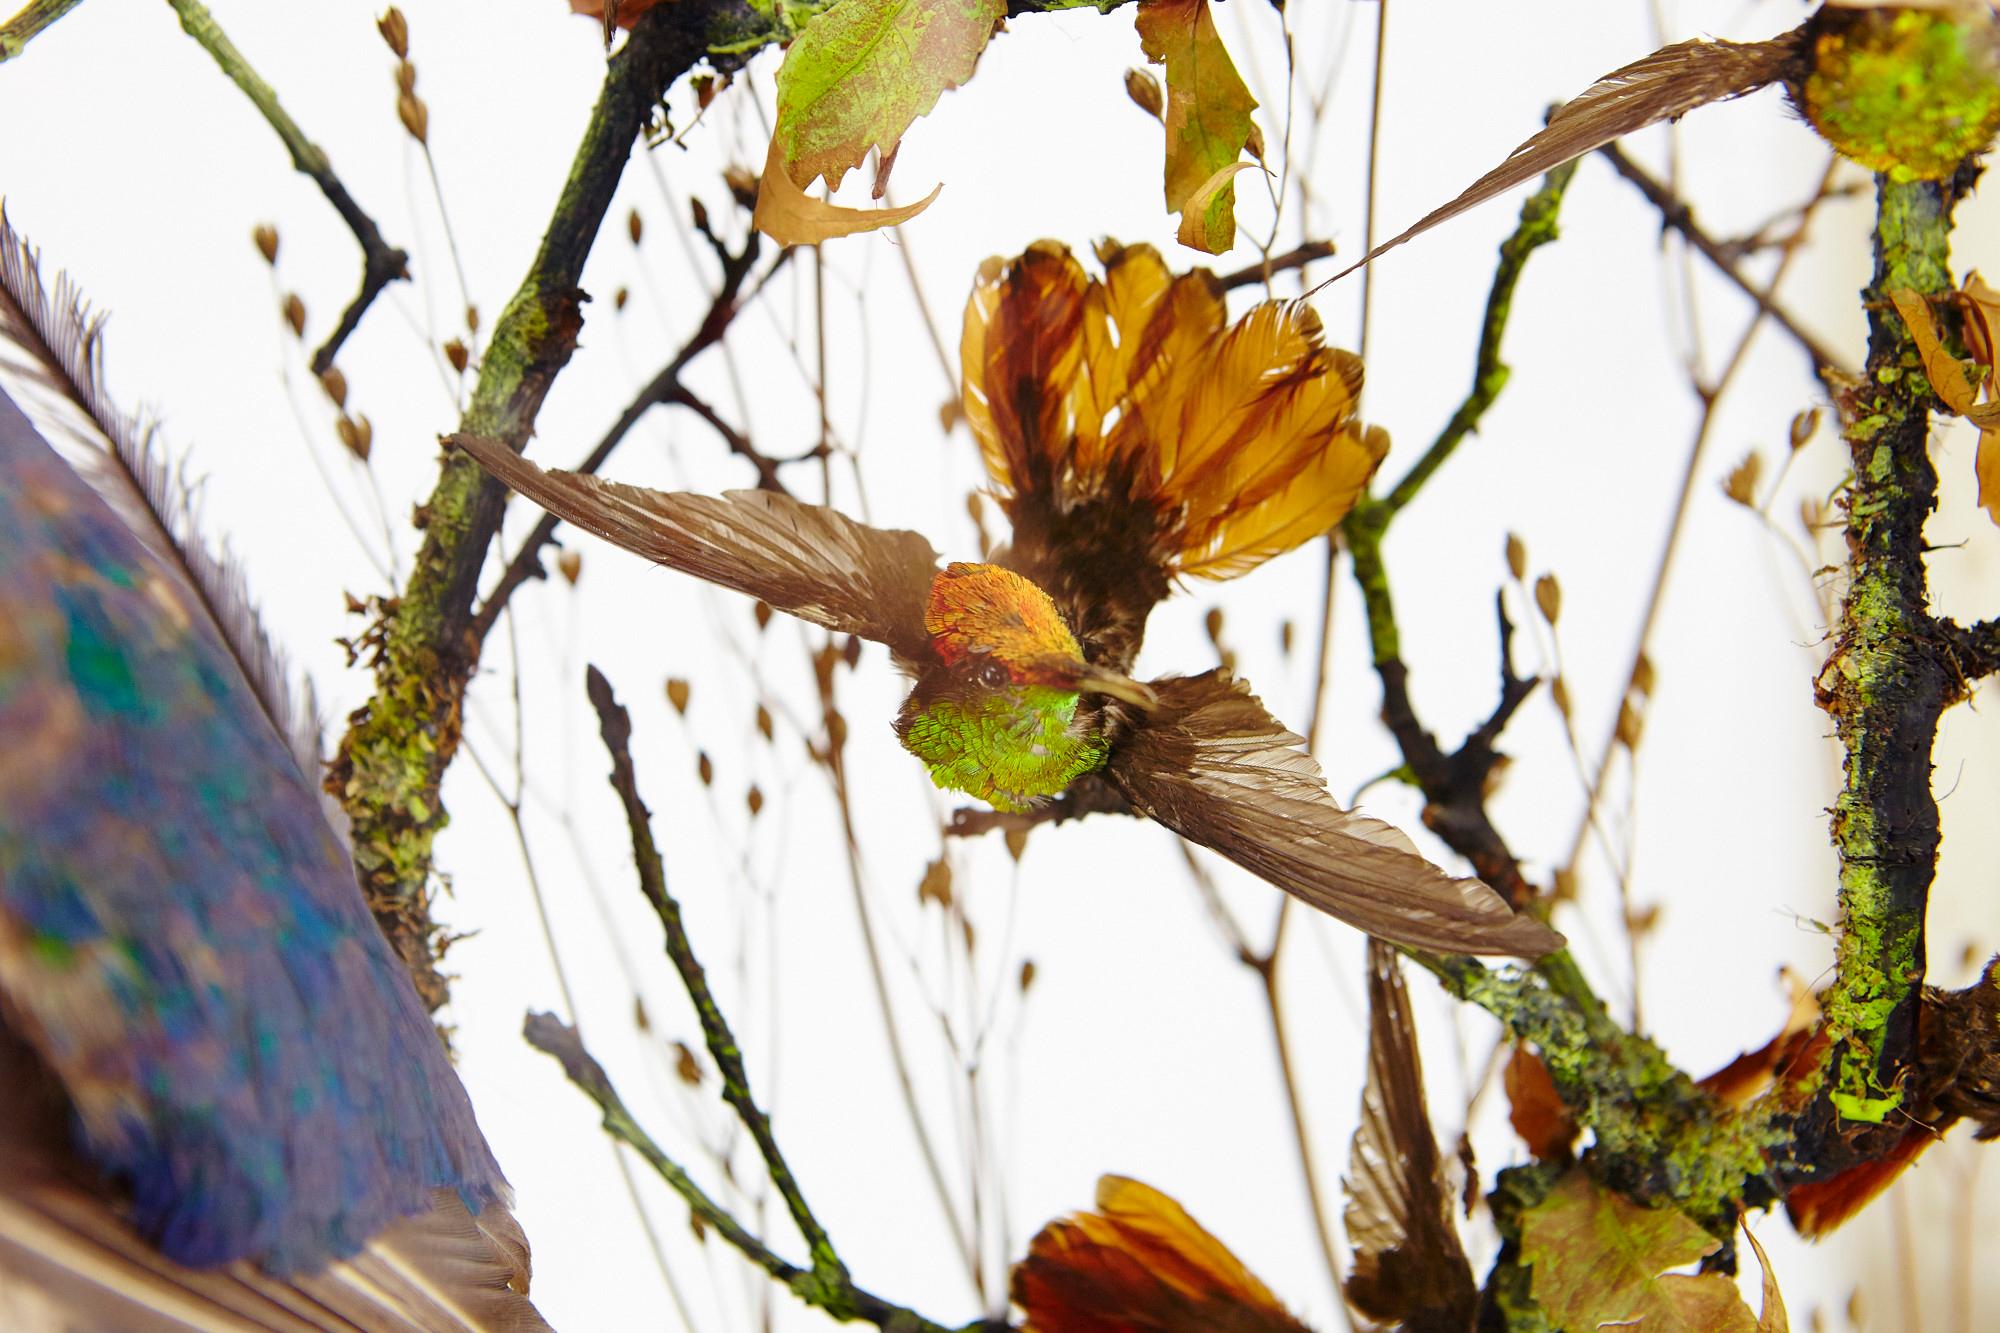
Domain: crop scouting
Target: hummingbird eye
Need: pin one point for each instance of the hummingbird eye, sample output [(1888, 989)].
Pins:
[(992, 675)]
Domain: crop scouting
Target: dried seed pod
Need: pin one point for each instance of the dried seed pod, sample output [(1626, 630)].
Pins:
[(1548, 597), (395, 30), (406, 78), (416, 117), (1027, 974), (1642, 675), (1741, 483), (266, 237), (1803, 427), (455, 353), (620, 297), (1144, 90), (570, 563), (295, 314), (677, 695), (635, 226), (1559, 693), (764, 722), (686, 1066), (335, 384), (705, 766), (1254, 142), (754, 798), (1517, 557)]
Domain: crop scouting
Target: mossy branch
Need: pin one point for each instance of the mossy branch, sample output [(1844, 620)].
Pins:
[(381, 263), (615, 724), (397, 746), (1890, 676), (24, 27), (1658, 1136)]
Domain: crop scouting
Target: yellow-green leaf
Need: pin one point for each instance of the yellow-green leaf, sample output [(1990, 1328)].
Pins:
[(1208, 221), (862, 71), (1600, 1259), (1208, 114), (790, 216), (1774, 1319)]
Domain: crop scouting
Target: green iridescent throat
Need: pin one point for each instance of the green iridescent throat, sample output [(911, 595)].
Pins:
[(1009, 747)]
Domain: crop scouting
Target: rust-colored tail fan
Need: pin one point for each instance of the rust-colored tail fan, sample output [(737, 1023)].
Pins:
[(1130, 427), (1140, 1262)]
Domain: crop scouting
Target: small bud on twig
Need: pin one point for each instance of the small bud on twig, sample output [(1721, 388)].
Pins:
[(1517, 557), (677, 695), (335, 384), (416, 117), (454, 352), (266, 237), (295, 314), (570, 564)]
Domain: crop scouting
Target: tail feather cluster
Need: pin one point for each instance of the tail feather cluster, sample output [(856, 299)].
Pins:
[(1240, 439)]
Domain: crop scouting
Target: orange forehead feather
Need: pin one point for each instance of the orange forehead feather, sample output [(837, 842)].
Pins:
[(987, 609)]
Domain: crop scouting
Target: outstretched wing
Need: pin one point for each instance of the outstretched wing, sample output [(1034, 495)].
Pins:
[(1212, 765), (806, 560)]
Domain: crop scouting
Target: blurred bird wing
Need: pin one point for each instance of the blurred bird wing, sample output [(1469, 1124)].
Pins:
[(1212, 765), (806, 560), (1409, 1267)]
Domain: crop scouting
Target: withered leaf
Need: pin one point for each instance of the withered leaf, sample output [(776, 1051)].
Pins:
[(1665, 85), (1599, 1259), (1207, 118), (1535, 1109), (1409, 1265), (1773, 1319), (1958, 385), (862, 71), (790, 216), (1204, 227)]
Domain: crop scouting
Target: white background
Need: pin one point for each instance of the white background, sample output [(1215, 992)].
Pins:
[(1143, 1047)]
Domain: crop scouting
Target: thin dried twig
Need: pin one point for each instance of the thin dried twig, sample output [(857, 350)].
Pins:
[(381, 263)]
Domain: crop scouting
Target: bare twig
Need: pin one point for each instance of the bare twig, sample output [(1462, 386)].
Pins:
[(381, 263), (1265, 269), (664, 387), (615, 724), (1675, 214), (18, 31)]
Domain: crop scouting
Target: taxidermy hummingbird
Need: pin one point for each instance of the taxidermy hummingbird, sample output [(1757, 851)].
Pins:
[(221, 1102), (1135, 438)]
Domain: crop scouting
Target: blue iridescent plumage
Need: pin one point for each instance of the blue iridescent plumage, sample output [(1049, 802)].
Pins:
[(182, 940)]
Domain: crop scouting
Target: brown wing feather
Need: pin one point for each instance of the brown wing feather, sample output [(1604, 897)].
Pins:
[(1410, 1268), (806, 560), (1212, 765), (1665, 85)]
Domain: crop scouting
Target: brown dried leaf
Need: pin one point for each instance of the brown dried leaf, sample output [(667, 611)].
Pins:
[(686, 1066), (1774, 1319), (790, 216), (1599, 1259), (1741, 484), (1535, 1109)]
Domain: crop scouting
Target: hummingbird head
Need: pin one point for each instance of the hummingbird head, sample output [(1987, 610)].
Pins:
[(998, 717)]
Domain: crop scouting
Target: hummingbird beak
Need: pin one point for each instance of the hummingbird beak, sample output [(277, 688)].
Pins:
[(1076, 674)]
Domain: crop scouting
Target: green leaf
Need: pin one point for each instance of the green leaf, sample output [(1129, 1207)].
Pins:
[(862, 71), (1208, 116), (1599, 1260)]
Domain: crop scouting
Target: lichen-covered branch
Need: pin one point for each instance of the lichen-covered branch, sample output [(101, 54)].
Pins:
[(17, 32), (841, 1299), (397, 746), (381, 263), (1890, 675), (615, 724)]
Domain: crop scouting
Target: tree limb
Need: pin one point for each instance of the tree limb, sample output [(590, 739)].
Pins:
[(24, 27)]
